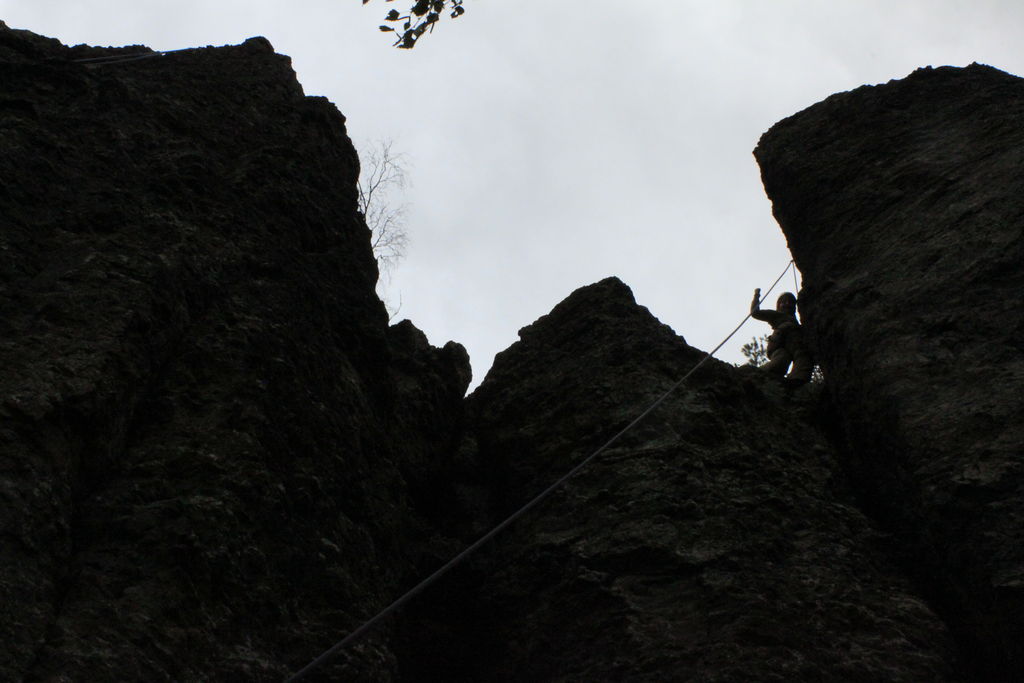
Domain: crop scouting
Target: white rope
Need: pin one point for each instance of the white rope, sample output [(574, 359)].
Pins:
[(118, 59)]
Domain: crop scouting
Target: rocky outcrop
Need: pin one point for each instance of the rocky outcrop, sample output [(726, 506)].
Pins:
[(209, 438), (903, 207), (217, 458), (715, 541)]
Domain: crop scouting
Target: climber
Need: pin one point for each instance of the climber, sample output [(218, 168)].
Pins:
[(786, 344)]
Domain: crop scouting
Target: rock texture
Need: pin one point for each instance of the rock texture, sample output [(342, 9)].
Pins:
[(209, 438), (715, 541), (903, 205), (217, 458)]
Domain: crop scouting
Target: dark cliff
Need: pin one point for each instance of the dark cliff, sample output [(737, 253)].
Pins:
[(715, 541), (211, 441), (904, 209), (217, 458)]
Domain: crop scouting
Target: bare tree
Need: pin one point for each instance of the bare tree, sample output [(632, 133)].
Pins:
[(381, 179)]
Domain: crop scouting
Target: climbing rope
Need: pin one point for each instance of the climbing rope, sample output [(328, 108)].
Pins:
[(119, 59), (116, 58), (422, 585)]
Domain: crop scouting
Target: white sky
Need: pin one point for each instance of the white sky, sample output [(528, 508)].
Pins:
[(554, 143)]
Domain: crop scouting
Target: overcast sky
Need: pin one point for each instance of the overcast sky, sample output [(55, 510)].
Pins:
[(551, 143)]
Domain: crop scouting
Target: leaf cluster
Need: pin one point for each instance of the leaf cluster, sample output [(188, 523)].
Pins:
[(418, 20), (756, 351)]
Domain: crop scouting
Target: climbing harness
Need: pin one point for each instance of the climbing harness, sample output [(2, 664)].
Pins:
[(422, 585)]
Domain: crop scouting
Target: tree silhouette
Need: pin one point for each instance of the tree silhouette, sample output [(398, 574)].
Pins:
[(381, 177), (382, 174), (418, 20), (756, 351)]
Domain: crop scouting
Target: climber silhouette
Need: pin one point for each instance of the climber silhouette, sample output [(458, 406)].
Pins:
[(786, 344)]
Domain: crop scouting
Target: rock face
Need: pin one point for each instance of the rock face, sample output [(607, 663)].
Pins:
[(217, 458), (209, 438), (904, 209), (715, 541)]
